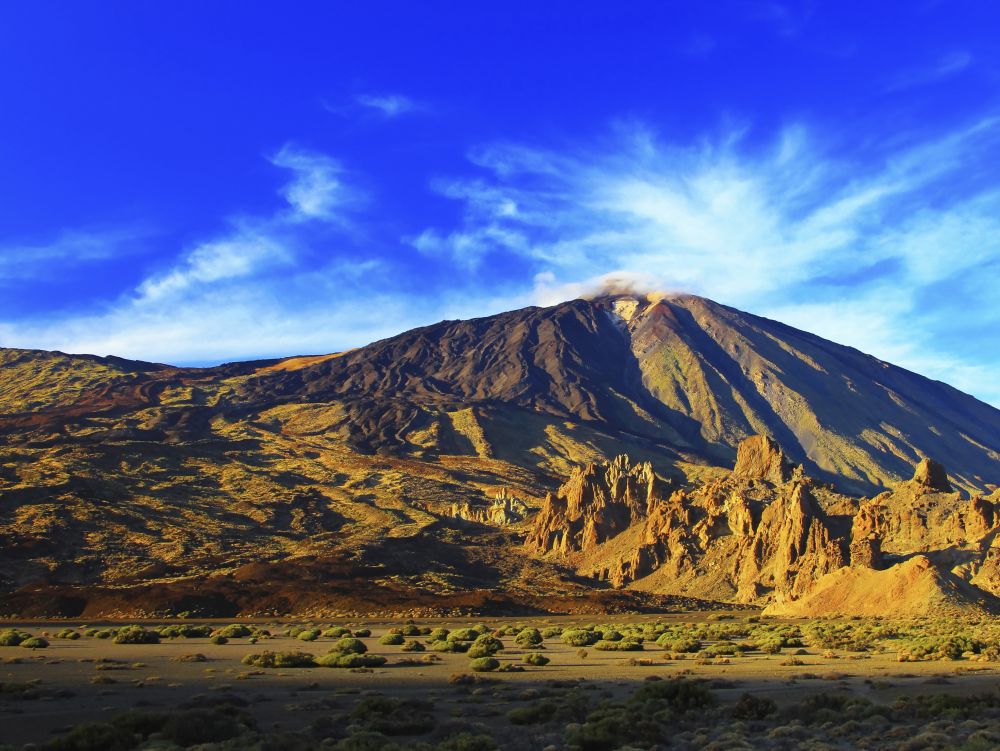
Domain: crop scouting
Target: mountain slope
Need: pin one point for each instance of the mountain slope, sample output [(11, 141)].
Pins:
[(682, 375), (119, 476)]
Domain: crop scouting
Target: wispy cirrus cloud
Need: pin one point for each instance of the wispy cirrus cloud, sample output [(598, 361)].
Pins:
[(388, 105), (68, 249), (943, 68)]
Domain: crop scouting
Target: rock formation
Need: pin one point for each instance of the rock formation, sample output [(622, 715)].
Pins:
[(931, 475), (762, 535), (760, 458), (504, 510)]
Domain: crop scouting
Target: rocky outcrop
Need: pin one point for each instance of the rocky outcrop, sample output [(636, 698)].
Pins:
[(932, 476), (597, 502), (504, 510), (759, 457), (762, 534)]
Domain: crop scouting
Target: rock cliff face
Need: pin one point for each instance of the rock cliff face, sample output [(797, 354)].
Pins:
[(767, 533)]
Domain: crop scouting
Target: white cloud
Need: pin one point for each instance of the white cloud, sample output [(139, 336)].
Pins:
[(316, 191), (388, 105), (69, 249), (944, 67)]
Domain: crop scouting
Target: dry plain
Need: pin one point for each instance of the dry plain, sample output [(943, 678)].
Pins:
[(678, 681)]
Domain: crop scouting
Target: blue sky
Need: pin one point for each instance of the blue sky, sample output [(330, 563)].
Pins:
[(195, 182)]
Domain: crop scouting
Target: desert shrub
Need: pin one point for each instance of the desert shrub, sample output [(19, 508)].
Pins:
[(938, 648), (35, 642), (551, 632), (467, 742), (382, 714), (136, 635), (335, 632), (528, 638), (751, 707), (484, 664), (510, 667), (350, 660), (362, 632), (770, 646), (625, 645), (392, 639), (828, 707), (219, 639), (234, 631), (438, 634), (410, 630), (349, 645), (536, 659), (638, 719), (97, 736), (447, 645), (280, 660), (68, 633), (579, 638), (611, 635), (309, 634), (485, 646), (192, 631), (464, 634), (682, 644), (533, 714), (12, 637), (201, 726), (412, 645)]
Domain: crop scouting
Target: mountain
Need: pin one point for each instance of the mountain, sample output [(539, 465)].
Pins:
[(358, 480)]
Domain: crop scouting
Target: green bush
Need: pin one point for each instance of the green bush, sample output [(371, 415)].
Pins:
[(536, 659), (751, 707), (551, 632), (93, 737), (349, 645), (528, 638), (280, 660), (447, 645), (12, 637), (611, 635), (625, 645), (35, 642), (68, 633), (309, 634), (533, 714), (219, 639), (411, 630), (136, 635), (467, 742), (683, 644), (350, 660), (392, 639), (362, 632), (234, 631), (464, 634), (192, 631), (335, 632), (579, 638), (438, 634), (382, 714), (413, 645), (485, 646), (484, 664)]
